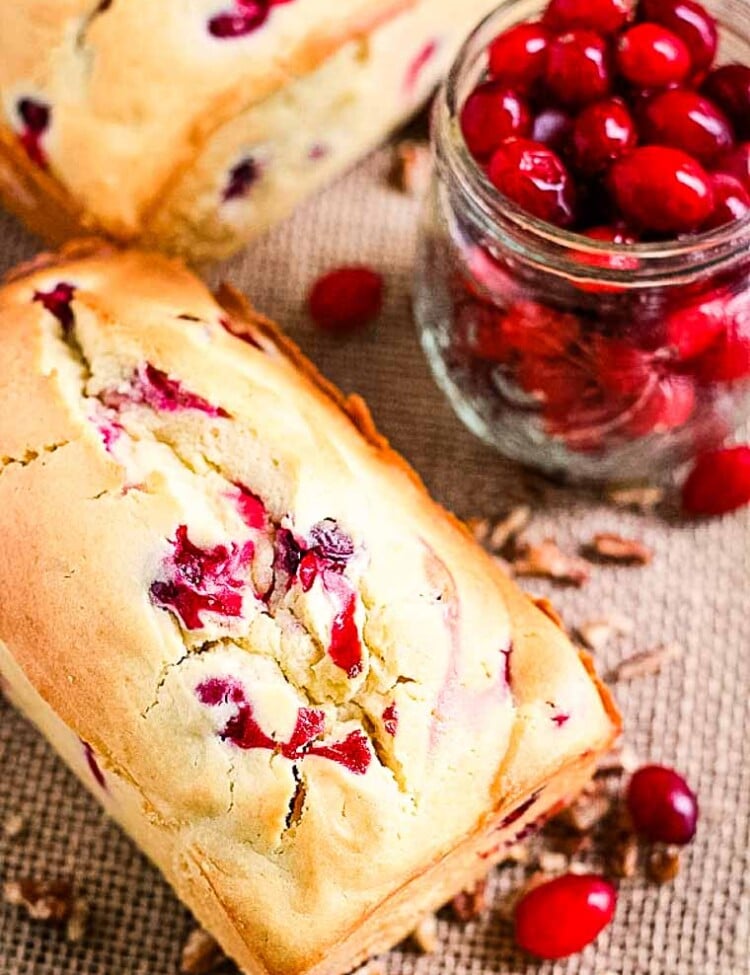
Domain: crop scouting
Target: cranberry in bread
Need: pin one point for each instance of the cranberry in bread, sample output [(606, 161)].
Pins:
[(193, 126), (294, 679)]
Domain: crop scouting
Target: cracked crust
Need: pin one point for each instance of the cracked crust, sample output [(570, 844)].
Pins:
[(240, 794), (150, 115)]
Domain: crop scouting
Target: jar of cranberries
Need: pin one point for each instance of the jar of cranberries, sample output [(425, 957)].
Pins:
[(583, 278)]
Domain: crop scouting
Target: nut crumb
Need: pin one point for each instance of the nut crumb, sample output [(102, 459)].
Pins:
[(425, 935), (596, 634), (201, 953), (77, 923), (619, 759), (623, 858), (646, 663), (509, 527), (609, 547), (470, 904), (582, 815), (552, 862), (13, 826), (411, 167), (547, 561), (644, 497), (664, 864), (479, 528), (516, 853), (43, 900)]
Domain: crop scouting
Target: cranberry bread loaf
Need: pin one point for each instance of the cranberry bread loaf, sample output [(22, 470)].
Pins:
[(192, 126), (294, 679)]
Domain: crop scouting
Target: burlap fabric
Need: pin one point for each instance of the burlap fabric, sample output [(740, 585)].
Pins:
[(695, 715)]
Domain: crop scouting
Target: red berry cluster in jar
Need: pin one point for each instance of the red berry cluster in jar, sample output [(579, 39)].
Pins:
[(607, 118), (604, 105)]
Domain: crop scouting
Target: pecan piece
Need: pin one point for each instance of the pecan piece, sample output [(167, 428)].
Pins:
[(43, 900), (470, 904), (609, 547), (547, 561), (411, 167), (201, 954), (646, 663)]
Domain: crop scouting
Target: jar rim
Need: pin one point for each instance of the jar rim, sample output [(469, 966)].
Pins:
[(564, 251)]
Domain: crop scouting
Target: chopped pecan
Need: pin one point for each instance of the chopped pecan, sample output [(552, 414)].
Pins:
[(582, 815), (643, 497), (609, 547), (43, 900), (552, 862), (620, 759), (509, 527), (623, 857), (201, 953), (664, 864), (547, 561), (470, 904), (77, 923), (645, 663), (411, 167), (597, 633), (425, 935), (479, 528)]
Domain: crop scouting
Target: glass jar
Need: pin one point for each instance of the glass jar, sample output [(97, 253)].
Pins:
[(589, 360)]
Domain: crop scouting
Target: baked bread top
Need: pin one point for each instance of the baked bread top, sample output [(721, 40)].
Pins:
[(120, 96), (220, 576)]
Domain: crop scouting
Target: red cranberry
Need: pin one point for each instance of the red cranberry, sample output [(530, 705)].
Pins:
[(559, 382), (687, 121), (736, 162), (603, 132), (729, 87), (58, 302), (604, 16), (662, 189), (535, 178), (538, 330), (518, 56), (732, 201), (562, 916), (689, 21), (728, 359), (346, 298), (552, 127), (491, 114), (478, 331), (247, 17), (668, 406), (241, 178), (718, 483), (661, 805), (650, 56), (35, 116), (578, 68), (689, 331), (621, 368), (610, 262)]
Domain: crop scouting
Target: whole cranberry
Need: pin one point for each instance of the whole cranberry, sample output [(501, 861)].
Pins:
[(491, 114), (662, 190), (690, 330), (477, 330), (562, 916), (607, 261), (668, 405), (691, 22), (346, 298), (662, 806), (621, 368), (535, 178), (650, 56), (534, 329), (718, 483), (736, 162), (603, 132), (559, 382), (518, 56), (553, 127), (578, 68), (604, 16), (729, 87), (732, 201), (728, 359), (686, 120)]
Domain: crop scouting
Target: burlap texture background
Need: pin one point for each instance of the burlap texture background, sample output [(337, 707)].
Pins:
[(695, 715)]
